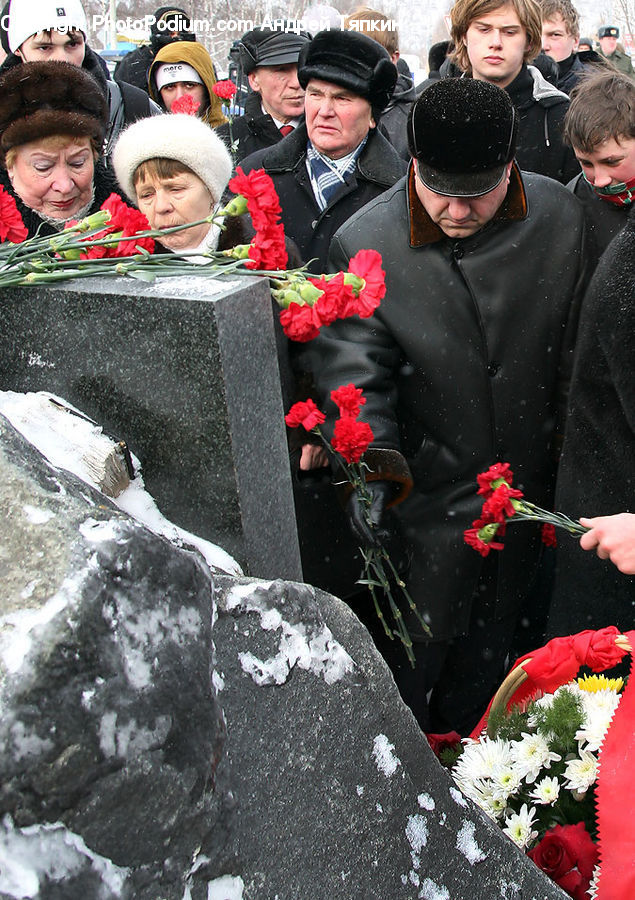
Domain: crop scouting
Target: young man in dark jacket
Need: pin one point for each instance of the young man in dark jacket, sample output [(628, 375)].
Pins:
[(560, 35), (275, 103), (494, 41), (463, 364), (336, 161)]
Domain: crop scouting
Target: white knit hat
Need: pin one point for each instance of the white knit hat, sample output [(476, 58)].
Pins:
[(28, 17), (184, 138)]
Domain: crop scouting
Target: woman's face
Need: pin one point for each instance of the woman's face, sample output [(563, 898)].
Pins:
[(53, 178), (178, 89), (167, 202)]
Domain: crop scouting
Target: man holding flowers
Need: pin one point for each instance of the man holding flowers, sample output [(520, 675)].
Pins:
[(464, 362)]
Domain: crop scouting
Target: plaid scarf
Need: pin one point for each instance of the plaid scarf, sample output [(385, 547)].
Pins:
[(328, 175)]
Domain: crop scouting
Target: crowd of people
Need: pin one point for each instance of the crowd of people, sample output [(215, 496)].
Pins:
[(499, 194)]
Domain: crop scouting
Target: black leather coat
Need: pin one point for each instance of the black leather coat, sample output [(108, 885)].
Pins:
[(378, 168), (462, 365)]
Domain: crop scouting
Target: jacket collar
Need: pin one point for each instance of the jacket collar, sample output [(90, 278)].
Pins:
[(378, 161), (424, 231)]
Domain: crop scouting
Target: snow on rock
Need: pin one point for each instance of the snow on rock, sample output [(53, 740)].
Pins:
[(425, 801), (458, 797), (226, 888), (466, 843), (308, 645), (430, 890), (64, 450), (385, 759), (33, 857), (417, 833)]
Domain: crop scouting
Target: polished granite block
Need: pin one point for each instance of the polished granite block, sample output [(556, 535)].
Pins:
[(185, 370)]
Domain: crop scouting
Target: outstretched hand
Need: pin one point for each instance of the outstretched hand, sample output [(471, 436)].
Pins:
[(612, 537)]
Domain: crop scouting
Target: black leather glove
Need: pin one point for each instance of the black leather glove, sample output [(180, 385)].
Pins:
[(377, 533)]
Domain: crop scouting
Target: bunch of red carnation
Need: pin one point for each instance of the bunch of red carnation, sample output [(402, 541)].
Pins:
[(351, 438), (267, 250), (503, 503), (12, 227), (125, 222), (356, 292)]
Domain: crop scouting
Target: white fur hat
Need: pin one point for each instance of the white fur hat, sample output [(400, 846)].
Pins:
[(183, 138), (27, 17)]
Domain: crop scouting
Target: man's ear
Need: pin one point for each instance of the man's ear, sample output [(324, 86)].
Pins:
[(254, 84)]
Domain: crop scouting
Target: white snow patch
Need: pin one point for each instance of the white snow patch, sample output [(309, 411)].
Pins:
[(218, 681), (16, 626), (64, 450), (228, 887), (425, 801), (360, 790), (466, 843), (34, 359), (379, 807), (95, 531), (458, 797), (414, 878), (509, 889), (26, 742), (312, 648), (37, 516), (385, 759), (417, 832), (32, 857), (432, 891), (130, 739)]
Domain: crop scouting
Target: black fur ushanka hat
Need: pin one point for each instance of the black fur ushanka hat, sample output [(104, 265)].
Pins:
[(353, 61), (40, 99)]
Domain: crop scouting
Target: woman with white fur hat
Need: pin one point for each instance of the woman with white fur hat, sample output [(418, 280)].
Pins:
[(175, 169)]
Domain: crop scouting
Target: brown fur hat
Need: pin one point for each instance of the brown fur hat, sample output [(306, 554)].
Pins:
[(40, 99)]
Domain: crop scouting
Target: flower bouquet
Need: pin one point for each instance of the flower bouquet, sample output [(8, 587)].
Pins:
[(504, 504), (550, 763), (351, 439)]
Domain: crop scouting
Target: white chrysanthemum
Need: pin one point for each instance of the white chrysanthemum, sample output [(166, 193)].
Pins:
[(599, 708), (581, 772), (518, 827), (546, 792), (505, 781), (480, 758), (531, 754), (481, 793)]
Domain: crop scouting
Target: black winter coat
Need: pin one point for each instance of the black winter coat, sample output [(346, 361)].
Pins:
[(542, 107), (252, 131), (395, 117), (603, 219), (378, 168), (133, 68), (462, 365), (597, 470)]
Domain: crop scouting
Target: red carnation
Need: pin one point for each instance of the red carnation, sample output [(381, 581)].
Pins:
[(262, 200), (351, 438), (304, 413), (125, 222), (349, 400), (224, 89), (185, 105), (335, 300), (568, 856), (498, 470), (474, 536), (268, 250), (548, 535), (366, 264), (298, 323), (498, 505), (12, 227)]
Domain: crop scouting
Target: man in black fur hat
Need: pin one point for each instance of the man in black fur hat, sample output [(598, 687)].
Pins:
[(275, 104), (463, 364), (336, 161)]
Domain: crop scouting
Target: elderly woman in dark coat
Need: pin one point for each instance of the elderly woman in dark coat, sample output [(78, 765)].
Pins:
[(52, 122)]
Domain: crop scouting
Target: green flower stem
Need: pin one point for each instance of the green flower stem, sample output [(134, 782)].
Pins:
[(529, 512)]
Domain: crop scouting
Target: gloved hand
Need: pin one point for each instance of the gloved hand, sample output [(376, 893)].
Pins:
[(377, 533)]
